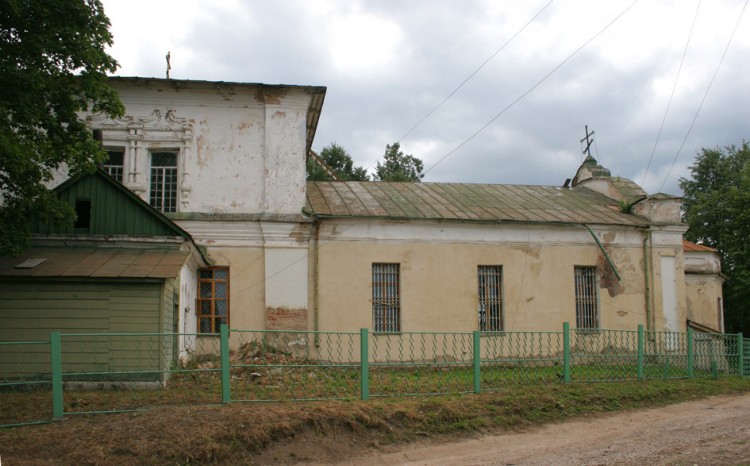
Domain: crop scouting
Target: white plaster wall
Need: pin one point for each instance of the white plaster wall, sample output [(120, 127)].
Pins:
[(187, 318), (702, 262), (241, 147), (669, 294), (286, 278)]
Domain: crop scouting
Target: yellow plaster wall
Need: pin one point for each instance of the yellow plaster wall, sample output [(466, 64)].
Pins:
[(439, 284), (702, 295), (246, 284)]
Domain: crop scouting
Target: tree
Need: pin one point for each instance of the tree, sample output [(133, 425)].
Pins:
[(716, 208), (398, 166), (339, 160), (52, 66)]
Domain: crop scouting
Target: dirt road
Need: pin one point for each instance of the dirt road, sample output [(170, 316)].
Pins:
[(707, 432)]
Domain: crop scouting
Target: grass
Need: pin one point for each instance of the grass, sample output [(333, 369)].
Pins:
[(306, 380), (243, 433)]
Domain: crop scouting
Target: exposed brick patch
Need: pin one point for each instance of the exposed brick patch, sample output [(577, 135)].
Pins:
[(280, 318), (607, 277)]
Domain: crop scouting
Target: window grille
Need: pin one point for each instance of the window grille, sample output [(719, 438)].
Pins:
[(386, 303), (587, 299), (114, 164), (213, 299), (490, 279), (163, 192)]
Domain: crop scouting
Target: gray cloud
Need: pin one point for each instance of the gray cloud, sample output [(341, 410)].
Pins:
[(387, 63)]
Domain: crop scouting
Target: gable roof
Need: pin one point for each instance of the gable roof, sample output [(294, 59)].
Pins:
[(115, 210), (118, 218), (465, 202)]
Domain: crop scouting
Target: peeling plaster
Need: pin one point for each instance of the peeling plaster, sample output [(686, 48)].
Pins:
[(300, 234), (607, 278)]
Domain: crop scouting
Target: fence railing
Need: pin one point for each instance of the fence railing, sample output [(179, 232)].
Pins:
[(75, 374)]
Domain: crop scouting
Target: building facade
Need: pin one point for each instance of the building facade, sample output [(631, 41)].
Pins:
[(226, 163)]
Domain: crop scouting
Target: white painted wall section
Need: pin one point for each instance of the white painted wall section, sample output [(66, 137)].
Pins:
[(669, 293)]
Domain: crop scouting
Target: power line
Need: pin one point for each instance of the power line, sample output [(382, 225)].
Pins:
[(708, 88), (671, 96), (532, 88), (475, 72), (468, 78)]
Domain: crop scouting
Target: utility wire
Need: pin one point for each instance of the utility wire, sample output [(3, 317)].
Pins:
[(708, 88), (305, 257), (532, 88), (468, 78), (671, 96)]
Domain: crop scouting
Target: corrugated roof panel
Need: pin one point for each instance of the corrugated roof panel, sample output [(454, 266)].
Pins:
[(98, 262), (366, 198), (336, 205), (449, 202), (352, 201), (441, 206), (452, 192), (391, 207), (416, 204), (316, 200)]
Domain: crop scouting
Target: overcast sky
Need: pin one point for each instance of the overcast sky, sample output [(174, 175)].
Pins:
[(388, 63)]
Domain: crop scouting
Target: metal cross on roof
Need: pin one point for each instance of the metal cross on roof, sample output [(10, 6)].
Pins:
[(588, 140)]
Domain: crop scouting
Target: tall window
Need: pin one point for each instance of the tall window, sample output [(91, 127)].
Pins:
[(587, 299), (490, 279), (213, 299), (386, 302), (163, 193), (115, 163)]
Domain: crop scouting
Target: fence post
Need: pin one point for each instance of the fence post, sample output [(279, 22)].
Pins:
[(56, 367), (364, 358), (691, 353), (477, 362), (226, 391), (741, 354), (640, 351), (566, 352)]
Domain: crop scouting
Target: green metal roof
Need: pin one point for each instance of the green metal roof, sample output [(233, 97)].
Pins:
[(465, 202)]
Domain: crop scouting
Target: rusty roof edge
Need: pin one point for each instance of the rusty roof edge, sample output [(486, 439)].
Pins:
[(468, 220), (313, 89), (313, 116)]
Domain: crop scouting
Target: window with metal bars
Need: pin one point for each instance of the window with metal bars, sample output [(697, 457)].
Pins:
[(490, 279), (213, 299), (386, 301), (163, 192), (587, 299), (114, 165)]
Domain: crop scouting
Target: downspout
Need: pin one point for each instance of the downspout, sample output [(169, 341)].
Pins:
[(316, 323), (606, 256), (647, 279)]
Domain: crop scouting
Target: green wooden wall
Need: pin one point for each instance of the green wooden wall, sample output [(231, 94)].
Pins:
[(114, 210), (30, 311)]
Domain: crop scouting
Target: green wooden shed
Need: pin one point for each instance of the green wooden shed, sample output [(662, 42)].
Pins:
[(117, 269)]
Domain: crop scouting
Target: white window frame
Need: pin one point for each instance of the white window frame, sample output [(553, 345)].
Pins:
[(163, 185), (115, 171)]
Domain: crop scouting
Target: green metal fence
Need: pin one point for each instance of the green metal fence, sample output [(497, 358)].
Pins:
[(73, 374)]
